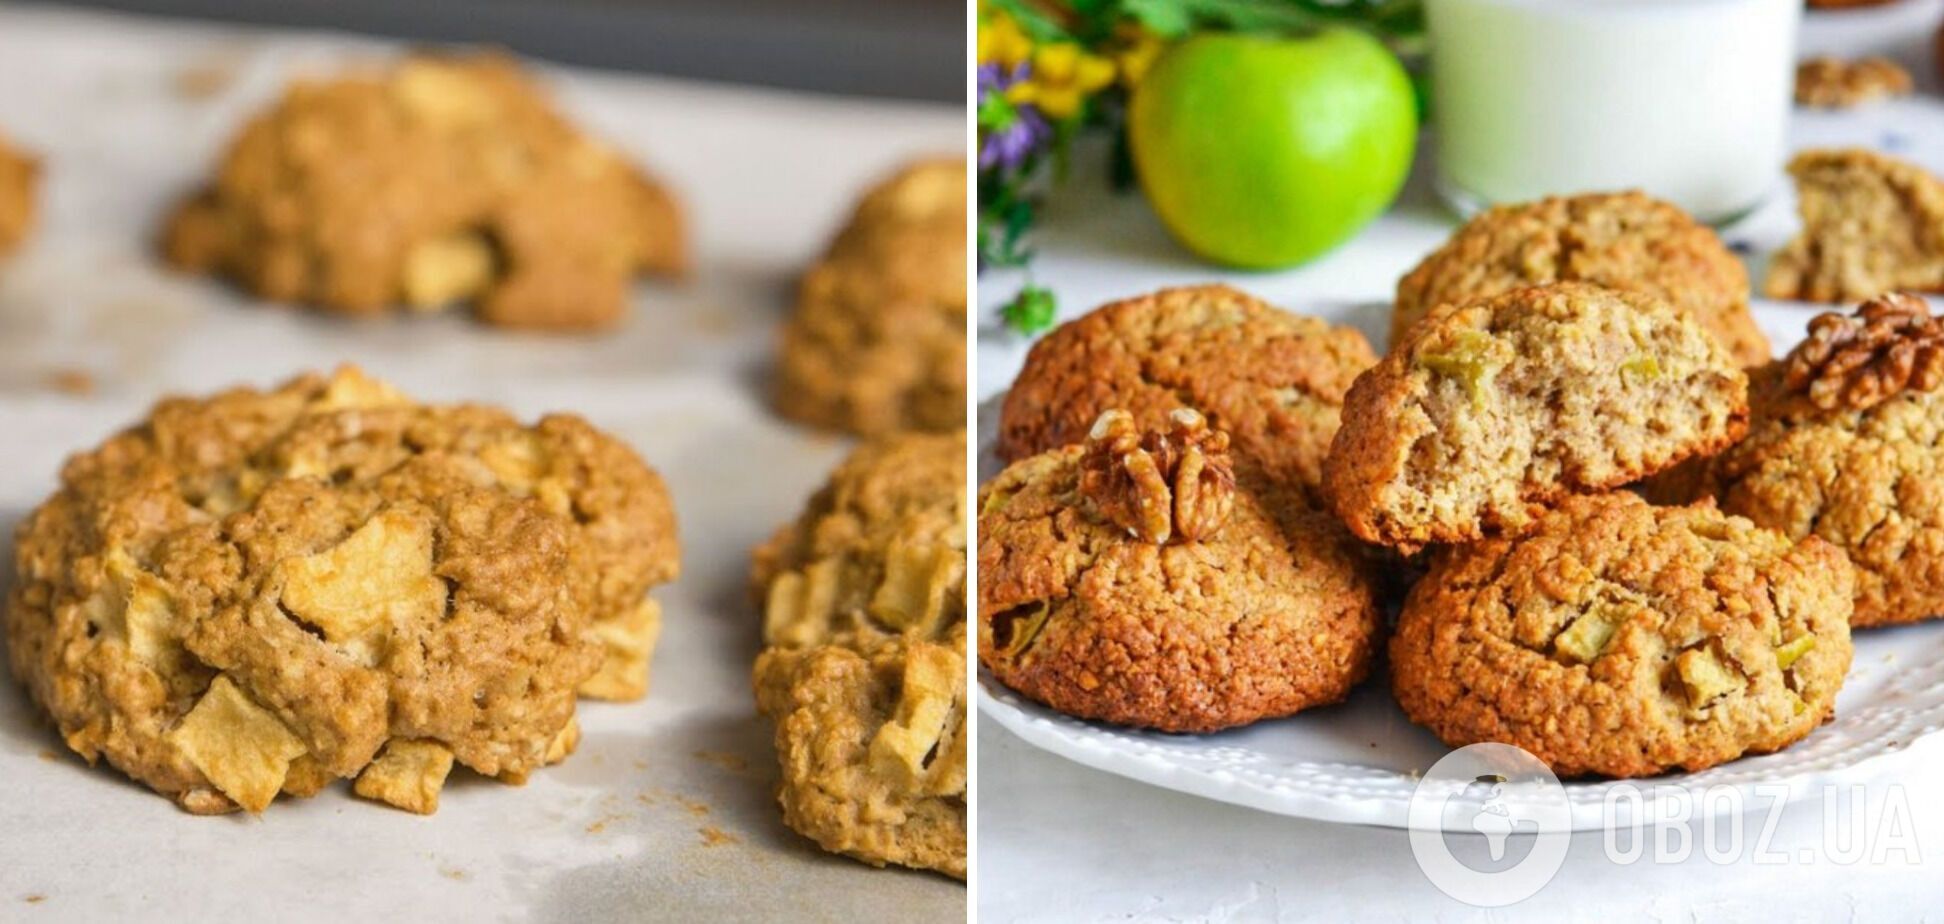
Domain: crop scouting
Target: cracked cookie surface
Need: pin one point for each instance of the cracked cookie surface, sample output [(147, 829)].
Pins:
[(256, 592), (1628, 241), (440, 180), (876, 343), (1871, 224), (1861, 468), (1488, 413), (19, 182), (1273, 380), (1272, 612), (864, 669), (1622, 639)]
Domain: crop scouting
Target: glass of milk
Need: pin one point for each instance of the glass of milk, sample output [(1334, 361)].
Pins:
[(1685, 99)]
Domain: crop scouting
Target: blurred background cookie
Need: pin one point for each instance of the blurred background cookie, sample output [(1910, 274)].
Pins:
[(19, 177), (1871, 224), (877, 341), (440, 180)]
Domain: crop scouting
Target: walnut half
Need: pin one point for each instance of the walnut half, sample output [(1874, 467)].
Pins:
[(1889, 345), (1161, 484)]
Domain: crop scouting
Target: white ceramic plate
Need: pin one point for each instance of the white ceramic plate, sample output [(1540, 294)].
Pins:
[(1359, 762)]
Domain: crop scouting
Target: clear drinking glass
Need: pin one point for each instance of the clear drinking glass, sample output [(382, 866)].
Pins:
[(1686, 99)]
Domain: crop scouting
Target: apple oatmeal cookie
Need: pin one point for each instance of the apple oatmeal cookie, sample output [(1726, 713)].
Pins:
[(1622, 639), (864, 673), (1870, 224), (1488, 413), (876, 343), (1627, 241), (265, 591), (1135, 579), (440, 180), (1846, 444), (1272, 380)]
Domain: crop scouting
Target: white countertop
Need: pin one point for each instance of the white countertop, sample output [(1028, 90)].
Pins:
[(666, 811), (1060, 842)]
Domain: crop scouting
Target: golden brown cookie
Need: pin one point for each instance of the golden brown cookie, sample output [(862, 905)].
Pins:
[(439, 180), (873, 747), (1274, 381), (877, 341), (1488, 413), (264, 591), (1846, 443), (1627, 241), (1133, 580), (1835, 83), (1622, 639), (19, 176), (878, 552), (864, 673), (1870, 224)]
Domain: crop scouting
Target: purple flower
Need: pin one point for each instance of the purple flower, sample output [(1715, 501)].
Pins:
[(1008, 133)]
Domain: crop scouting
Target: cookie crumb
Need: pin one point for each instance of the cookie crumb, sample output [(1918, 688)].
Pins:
[(454, 873), (1834, 83), (49, 754), (734, 763), (695, 808), (71, 381), (713, 836)]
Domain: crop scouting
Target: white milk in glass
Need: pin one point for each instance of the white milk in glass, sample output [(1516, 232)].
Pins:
[(1686, 99)]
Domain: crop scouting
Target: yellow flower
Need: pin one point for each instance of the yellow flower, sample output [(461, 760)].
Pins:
[(1135, 49), (1062, 77), (1001, 41)]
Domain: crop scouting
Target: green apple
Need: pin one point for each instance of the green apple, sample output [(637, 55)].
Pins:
[(1263, 152)]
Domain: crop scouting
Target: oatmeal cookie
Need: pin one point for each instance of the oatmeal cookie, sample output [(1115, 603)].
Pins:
[(1834, 83), (1274, 381), (877, 341), (439, 180), (1870, 224), (19, 176), (1622, 639), (864, 674), (1627, 241), (878, 553), (1133, 579), (1846, 444), (1488, 413), (873, 747), (264, 591)]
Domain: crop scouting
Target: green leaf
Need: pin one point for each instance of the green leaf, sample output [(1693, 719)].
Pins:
[(1167, 18)]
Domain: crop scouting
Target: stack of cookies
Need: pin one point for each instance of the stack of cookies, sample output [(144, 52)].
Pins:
[(1176, 543), (863, 665), (1600, 633)]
